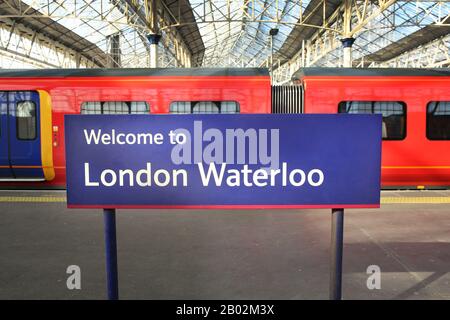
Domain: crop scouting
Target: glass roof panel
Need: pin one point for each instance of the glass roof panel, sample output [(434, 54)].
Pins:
[(400, 20), (95, 20), (235, 34)]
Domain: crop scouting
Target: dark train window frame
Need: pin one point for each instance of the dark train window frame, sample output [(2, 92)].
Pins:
[(427, 117), (193, 102), (35, 121), (404, 109), (128, 102)]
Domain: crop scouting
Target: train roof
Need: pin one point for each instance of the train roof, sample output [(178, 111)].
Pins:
[(131, 72), (368, 72)]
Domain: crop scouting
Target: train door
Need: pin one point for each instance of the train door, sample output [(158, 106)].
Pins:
[(20, 143)]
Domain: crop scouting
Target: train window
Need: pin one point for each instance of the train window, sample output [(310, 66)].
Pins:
[(180, 107), (115, 107), (205, 107), (355, 107), (139, 107), (393, 112), (184, 107), (26, 120), (229, 107), (438, 120), (91, 108)]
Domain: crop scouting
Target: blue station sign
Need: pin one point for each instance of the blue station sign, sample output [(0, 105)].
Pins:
[(223, 161)]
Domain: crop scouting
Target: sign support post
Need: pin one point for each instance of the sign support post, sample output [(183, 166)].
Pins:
[(109, 216), (337, 240)]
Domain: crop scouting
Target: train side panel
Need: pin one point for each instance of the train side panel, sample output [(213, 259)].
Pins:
[(414, 161), (67, 95)]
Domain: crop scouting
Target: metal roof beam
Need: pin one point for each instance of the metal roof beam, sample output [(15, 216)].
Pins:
[(20, 43), (415, 40), (322, 42), (52, 33), (177, 20), (434, 54)]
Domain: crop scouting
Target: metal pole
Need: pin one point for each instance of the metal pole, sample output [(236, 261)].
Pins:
[(272, 32), (155, 35), (303, 54), (114, 50), (347, 44), (337, 240), (271, 57), (109, 216), (348, 40), (153, 38)]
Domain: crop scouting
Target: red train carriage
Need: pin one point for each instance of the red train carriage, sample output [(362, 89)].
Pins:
[(33, 103), (415, 104)]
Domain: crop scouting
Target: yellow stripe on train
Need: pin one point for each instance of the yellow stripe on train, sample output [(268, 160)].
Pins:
[(46, 135)]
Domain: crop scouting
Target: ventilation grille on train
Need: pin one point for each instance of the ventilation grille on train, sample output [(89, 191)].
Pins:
[(287, 99)]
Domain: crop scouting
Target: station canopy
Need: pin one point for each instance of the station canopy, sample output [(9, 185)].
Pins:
[(238, 33)]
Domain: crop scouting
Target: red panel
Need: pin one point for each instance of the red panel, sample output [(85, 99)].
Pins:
[(414, 161), (253, 94)]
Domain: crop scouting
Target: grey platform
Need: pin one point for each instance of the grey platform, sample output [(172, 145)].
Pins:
[(188, 254)]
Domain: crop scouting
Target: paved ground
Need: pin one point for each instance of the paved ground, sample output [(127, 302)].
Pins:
[(225, 254)]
